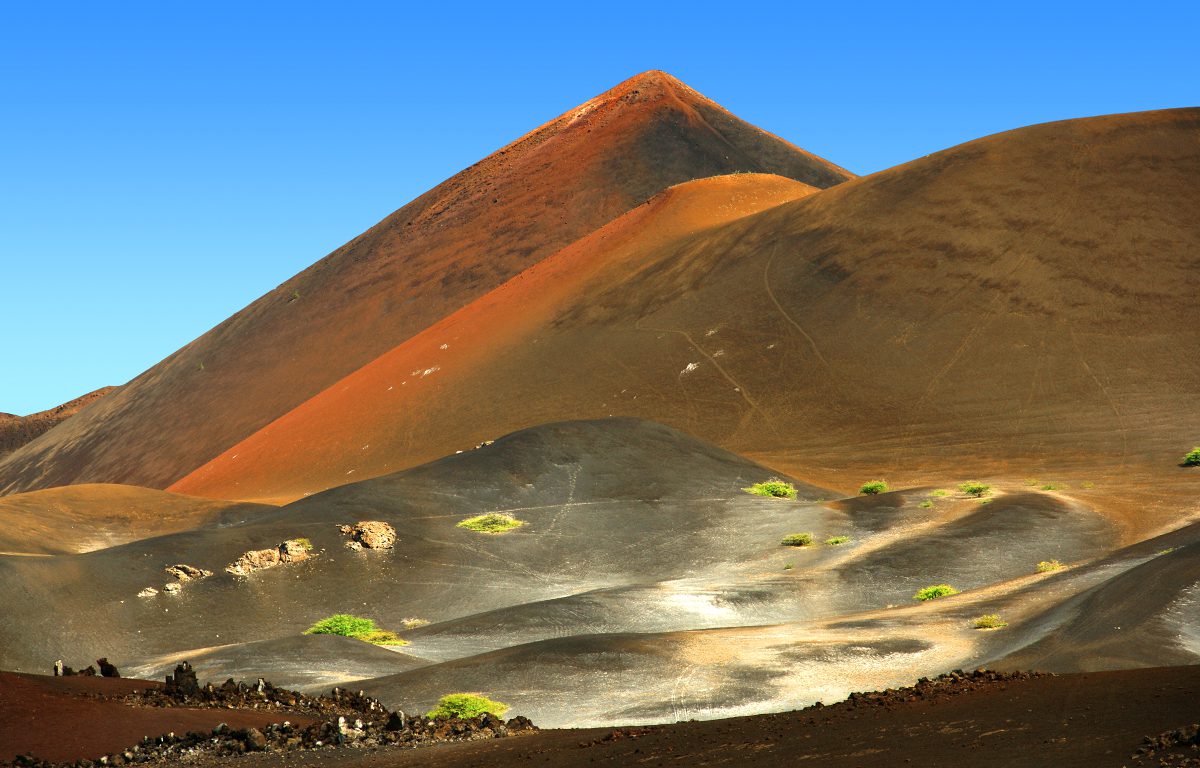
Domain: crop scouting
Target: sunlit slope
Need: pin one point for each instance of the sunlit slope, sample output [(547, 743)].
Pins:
[(1018, 304), (426, 260), (83, 518)]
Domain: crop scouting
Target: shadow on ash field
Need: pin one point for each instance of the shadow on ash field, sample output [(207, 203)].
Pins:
[(645, 586)]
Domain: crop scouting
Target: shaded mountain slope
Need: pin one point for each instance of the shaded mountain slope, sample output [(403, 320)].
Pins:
[(1021, 303), (424, 261), (16, 431)]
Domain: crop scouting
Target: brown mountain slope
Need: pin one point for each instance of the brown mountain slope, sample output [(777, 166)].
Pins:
[(16, 431), (84, 518), (431, 257), (1019, 304)]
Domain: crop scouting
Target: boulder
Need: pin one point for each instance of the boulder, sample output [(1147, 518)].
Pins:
[(290, 551), (369, 534), (148, 592)]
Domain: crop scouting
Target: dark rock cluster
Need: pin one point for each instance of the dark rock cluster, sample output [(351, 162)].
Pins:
[(953, 683), (347, 719), (106, 670), (1179, 748)]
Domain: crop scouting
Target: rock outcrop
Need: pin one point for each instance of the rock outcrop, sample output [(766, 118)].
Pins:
[(290, 551), (369, 534)]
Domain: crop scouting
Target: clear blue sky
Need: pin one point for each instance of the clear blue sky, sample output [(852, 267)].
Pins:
[(163, 164)]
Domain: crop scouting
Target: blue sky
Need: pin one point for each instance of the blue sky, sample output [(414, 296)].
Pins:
[(164, 164)]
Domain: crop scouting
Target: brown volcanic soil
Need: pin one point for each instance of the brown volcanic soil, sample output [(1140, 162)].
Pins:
[(1018, 306), (60, 718), (426, 260), (16, 431), (1088, 720), (83, 518)]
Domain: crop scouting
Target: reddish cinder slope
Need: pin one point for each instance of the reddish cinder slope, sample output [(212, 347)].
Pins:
[(349, 432), (1021, 305), (64, 719), (16, 431), (426, 260)]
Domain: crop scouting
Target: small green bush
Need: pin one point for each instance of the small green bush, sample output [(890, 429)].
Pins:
[(934, 592), (342, 624), (939, 493), (307, 544), (353, 626), (797, 540), (1088, 485), (927, 504), (492, 522), (1046, 566), (975, 488), (788, 566), (989, 621), (774, 487), (1050, 487), (1192, 457), (873, 487), (466, 705), (833, 541)]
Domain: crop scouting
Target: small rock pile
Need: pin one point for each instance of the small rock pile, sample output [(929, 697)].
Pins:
[(290, 551), (369, 534), (349, 720), (1179, 748)]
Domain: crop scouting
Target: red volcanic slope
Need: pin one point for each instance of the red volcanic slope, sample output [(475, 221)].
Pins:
[(1018, 304), (16, 431), (349, 432), (59, 719), (426, 260)]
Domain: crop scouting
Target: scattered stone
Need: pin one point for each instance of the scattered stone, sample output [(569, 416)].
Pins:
[(369, 534), (290, 551), (182, 572), (148, 592), (172, 587), (1171, 749), (106, 669)]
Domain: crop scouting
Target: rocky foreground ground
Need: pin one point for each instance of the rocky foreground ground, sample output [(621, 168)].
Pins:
[(1134, 718)]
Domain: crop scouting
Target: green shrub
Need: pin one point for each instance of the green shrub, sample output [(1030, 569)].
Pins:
[(353, 626), (788, 566), (773, 487), (797, 540), (342, 624), (833, 541), (1050, 487), (975, 488), (1032, 481), (466, 705), (989, 621), (939, 493), (1088, 485), (1192, 457), (1046, 566), (927, 504), (872, 487), (934, 592), (307, 544), (492, 522)]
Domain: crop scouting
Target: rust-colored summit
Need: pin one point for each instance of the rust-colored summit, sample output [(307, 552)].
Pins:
[(423, 262)]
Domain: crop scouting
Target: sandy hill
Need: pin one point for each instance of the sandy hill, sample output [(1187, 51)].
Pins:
[(16, 431), (426, 260), (1018, 306)]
